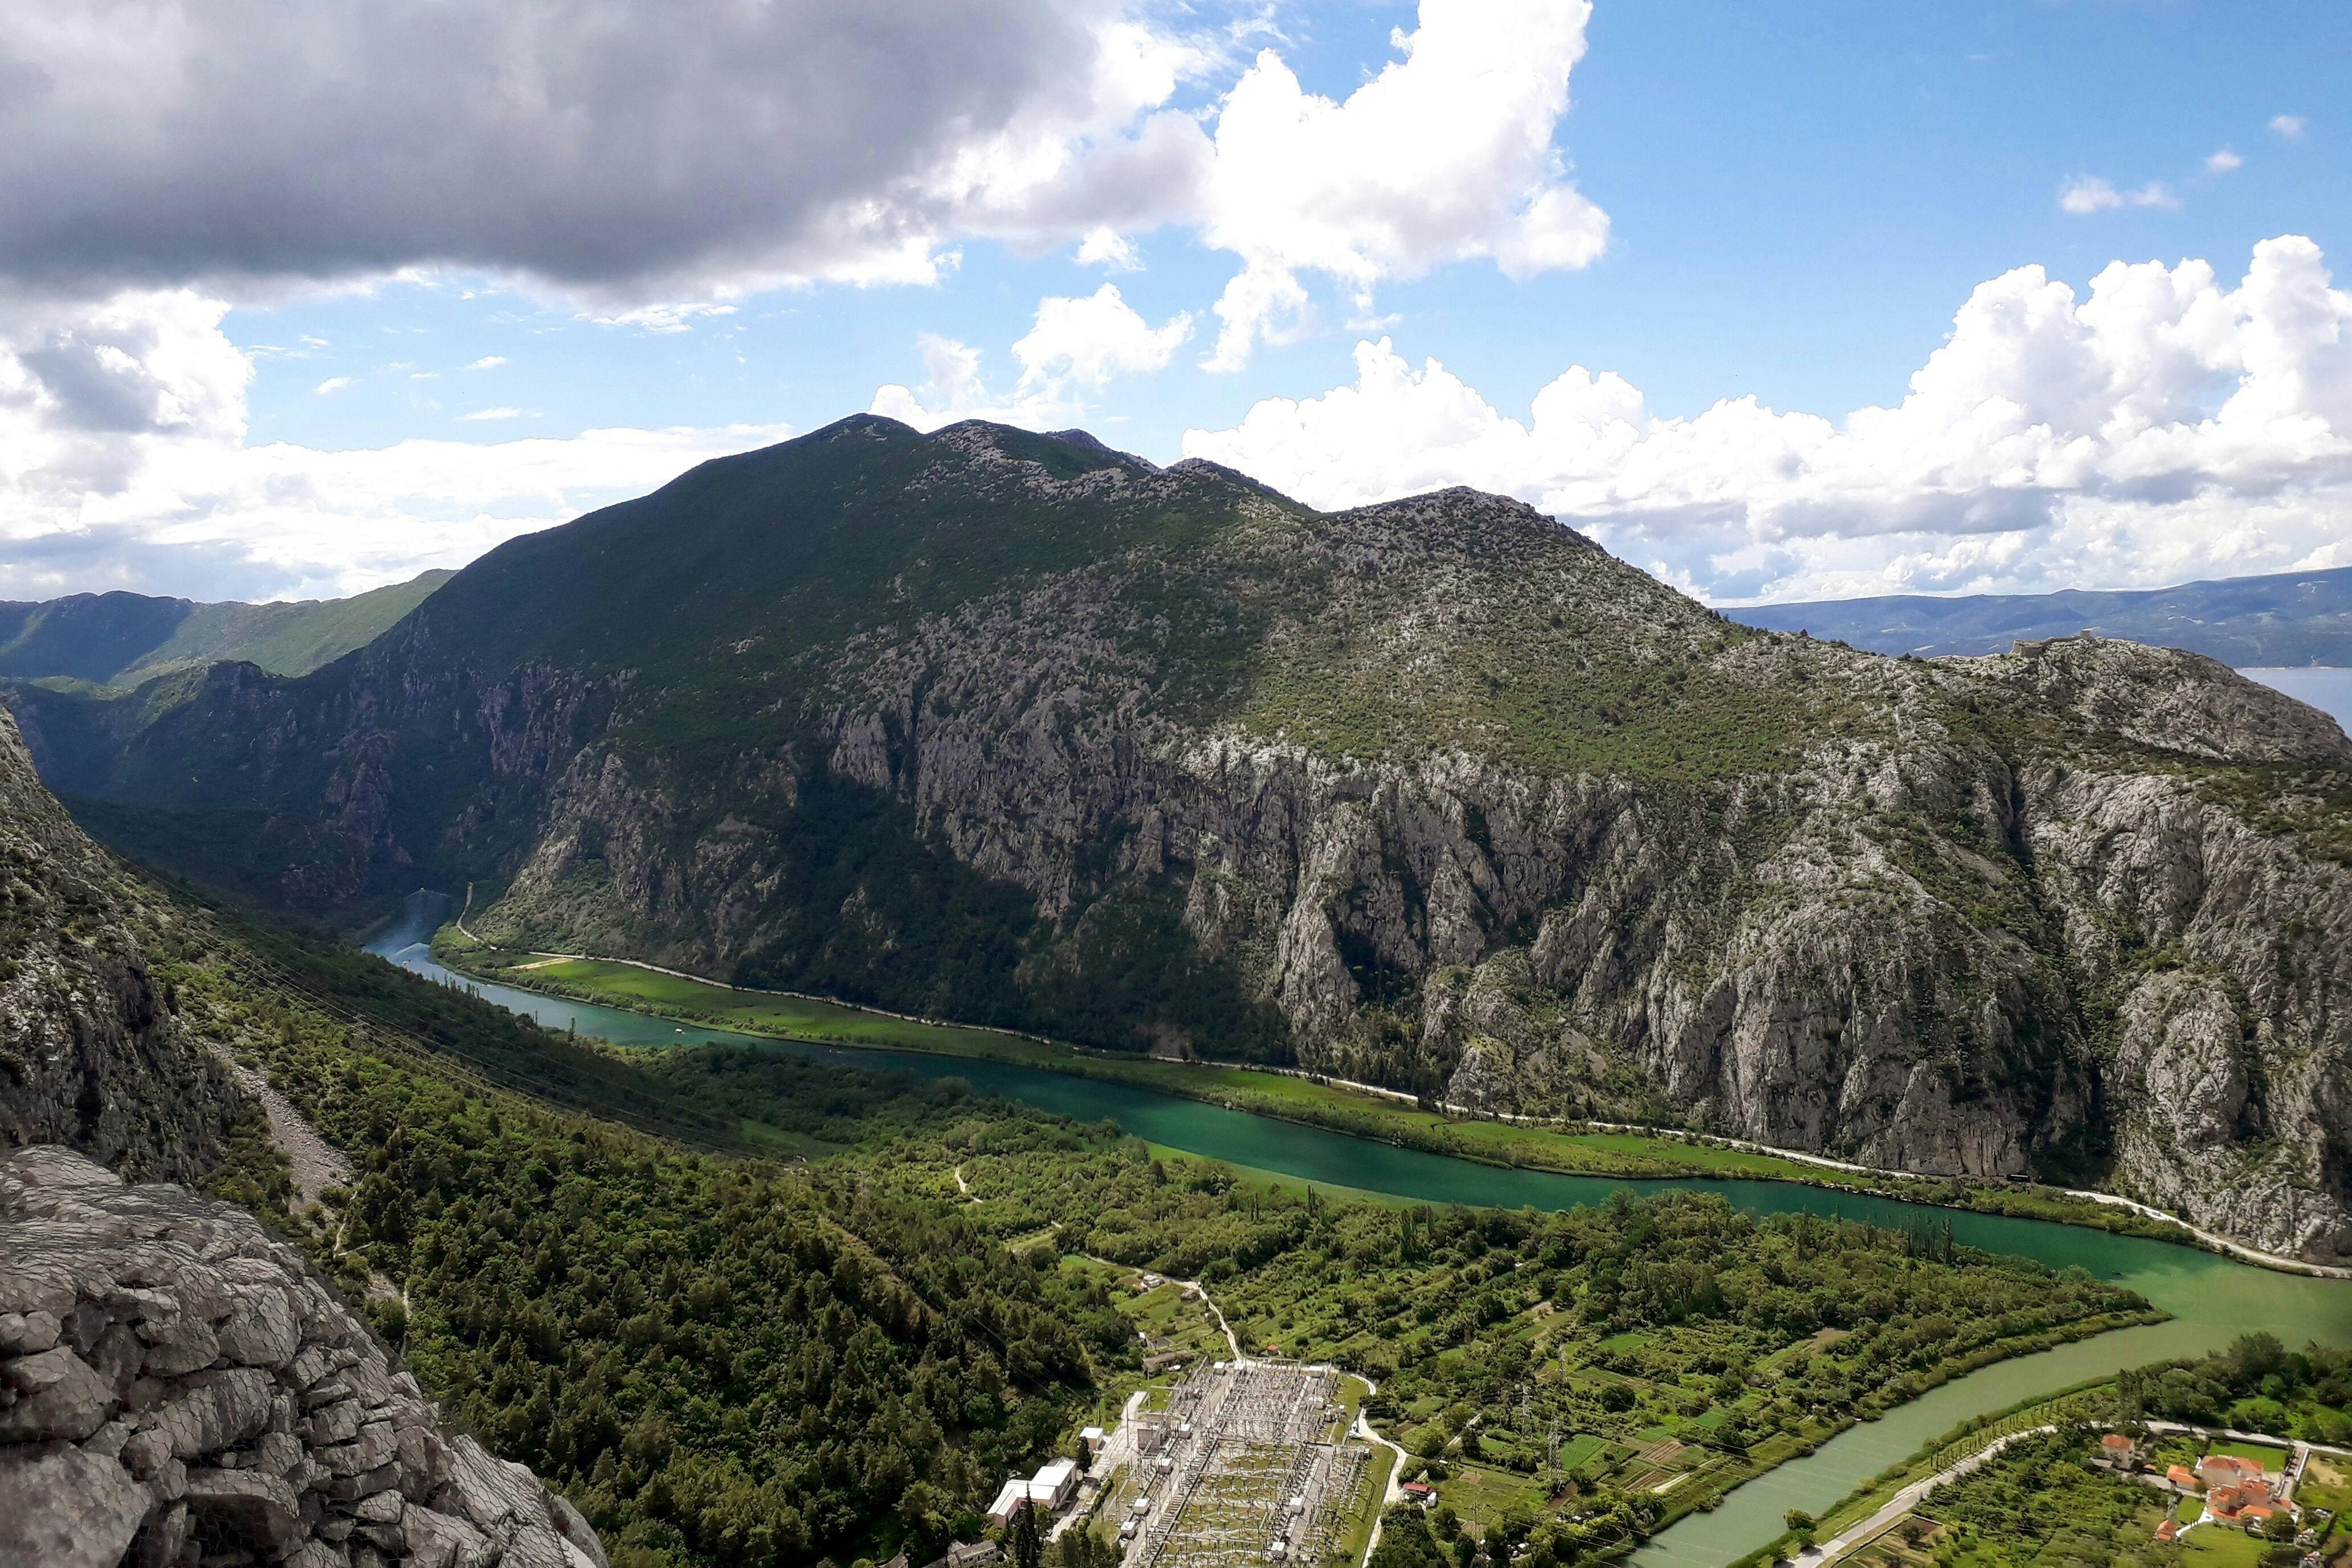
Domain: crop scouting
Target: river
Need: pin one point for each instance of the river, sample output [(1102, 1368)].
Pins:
[(2212, 1300)]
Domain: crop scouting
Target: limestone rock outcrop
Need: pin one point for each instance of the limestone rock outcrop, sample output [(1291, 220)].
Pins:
[(176, 1388), (91, 1054)]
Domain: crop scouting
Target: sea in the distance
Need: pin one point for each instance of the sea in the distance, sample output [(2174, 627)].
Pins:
[(2325, 688)]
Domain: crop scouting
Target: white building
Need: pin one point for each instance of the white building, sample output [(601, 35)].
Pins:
[(1048, 1490)]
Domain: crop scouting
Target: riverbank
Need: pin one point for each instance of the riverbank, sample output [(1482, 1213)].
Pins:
[(1288, 1094), (2213, 1299)]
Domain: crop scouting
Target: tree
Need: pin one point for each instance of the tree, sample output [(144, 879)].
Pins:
[(1022, 1542)]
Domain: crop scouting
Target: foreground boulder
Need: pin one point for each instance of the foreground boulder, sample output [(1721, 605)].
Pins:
[(176, 1388)]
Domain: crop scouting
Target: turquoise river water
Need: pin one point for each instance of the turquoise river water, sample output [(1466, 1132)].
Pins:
[(2212, 1300)]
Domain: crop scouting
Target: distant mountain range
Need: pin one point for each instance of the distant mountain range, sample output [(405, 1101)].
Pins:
[(123, 640), (2292, 618)]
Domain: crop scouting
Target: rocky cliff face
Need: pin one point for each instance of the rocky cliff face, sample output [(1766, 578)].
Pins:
[(1435, 794), (176, 1389), (1916, 943), (91, 1054)]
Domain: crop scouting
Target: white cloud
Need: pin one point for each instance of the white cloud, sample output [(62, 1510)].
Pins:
[(499, 413), (1086, 341), (1447, 154), (2164, 427), (673, 316), (954, 388), (1108, 248), (2089, 194), (1093, 339), (488, 362), (743, 154), (2289, 126), (124, 463), (334, 383), (2223, 162)]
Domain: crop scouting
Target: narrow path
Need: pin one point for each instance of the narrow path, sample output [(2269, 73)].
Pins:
[(316, 1166), (1394, 1492), (1910, 1497), (1906, 1499)]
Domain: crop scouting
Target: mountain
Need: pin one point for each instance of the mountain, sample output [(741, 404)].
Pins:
[(2294, 617), (1017, 729), (121, 640)]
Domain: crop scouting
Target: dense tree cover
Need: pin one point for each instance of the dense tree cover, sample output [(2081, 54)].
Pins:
[(722, 1361), (1406, 1542), (728, 1360), (2256, 1386)]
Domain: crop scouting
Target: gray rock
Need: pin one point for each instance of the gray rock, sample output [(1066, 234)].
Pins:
[(32, 1288), (63, 1508), (169, 1480), (21, 1333), (435, 1539), (538, 1546), (223, 1452), (58, 1396), (491, 1492), (346, 1488), (262, 1330), (574, 1529), (375, 1446), (83, 1326), (186, 1346), (389, 1538), (162, 1537), (258, 1509), (336, 1423), (144, 1452), (131, 1304), (108, 1441), (119, 1358)]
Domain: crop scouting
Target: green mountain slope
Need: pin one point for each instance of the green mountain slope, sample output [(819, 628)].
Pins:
[(122, 639), (1016, 730), (2289, 618)]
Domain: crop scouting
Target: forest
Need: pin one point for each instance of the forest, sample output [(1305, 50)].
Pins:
[(807, 1338)]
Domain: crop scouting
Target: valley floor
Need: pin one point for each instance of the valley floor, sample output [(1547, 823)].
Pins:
[(1360, 1109)]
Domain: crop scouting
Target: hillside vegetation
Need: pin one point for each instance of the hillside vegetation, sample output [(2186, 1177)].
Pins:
[(124, 639), (1015, 729)]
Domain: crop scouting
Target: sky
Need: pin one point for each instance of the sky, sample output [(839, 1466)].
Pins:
[(300, 297)]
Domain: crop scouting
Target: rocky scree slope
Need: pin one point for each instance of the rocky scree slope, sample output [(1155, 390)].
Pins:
[(175, 1388), (1435, 793)]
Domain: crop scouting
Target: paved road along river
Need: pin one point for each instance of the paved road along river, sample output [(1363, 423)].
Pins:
[(2212, 1300)]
